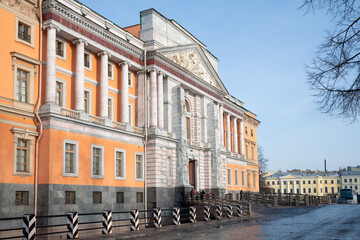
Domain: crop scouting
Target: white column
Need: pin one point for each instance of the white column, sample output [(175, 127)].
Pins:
[(242, 142), (153, 98), (79, 75), (221, 121), (167, 105), (50, 63), (104, 84), (124, 92), (281, 186), (301, 186), (140, 80), (235, 136), (228, 132), (160, 103)]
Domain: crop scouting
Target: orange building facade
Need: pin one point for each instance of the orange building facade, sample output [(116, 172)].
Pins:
[(97, 117)]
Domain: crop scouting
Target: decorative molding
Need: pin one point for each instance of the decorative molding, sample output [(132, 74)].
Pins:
[(250, 120), (21, 8), (49, 24), (80, 40)]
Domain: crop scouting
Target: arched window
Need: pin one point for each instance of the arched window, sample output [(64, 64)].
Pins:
[(188, 114)]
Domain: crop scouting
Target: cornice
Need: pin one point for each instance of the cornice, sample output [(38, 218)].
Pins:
[(251, 120), (92, 27)]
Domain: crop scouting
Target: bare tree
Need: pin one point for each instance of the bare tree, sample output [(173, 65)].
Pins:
[(261, 158), (334, 74)]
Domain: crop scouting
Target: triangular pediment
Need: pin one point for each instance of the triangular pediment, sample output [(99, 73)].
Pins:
[(192, 58)]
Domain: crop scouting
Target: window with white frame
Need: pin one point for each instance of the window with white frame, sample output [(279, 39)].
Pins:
[(61, 49), (24, 32), (169, 167), (229, 176), (70, 158), (237, 178), (97, 161), (254, 180), (87, 101), (243, 178), (110, 108), (22, 82), (131, 114), (111, 71), (120, 164), (60, 95), (87, 61), (130, 79), (139, 166)]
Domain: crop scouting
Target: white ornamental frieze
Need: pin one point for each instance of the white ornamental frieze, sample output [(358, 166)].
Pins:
[(191, 62)]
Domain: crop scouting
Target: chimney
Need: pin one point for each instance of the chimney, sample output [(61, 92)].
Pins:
[(325, 165)]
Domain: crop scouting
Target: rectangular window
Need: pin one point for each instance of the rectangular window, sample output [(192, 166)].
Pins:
[(355, 180), (291, 182), (297, 182), (243, 178), (247, 151), (252, 153), (87, 101), (120, 197), (110, 70), (246, 131), (298, 191), (252, 133), (309, 182), (273, 183), (320, 190), (139, 197), (22, 198), (60, 48), (304, 190), (325, 181), (326, 190), (139, 167), (70, 197), (87, 61), (22, 155), (110, 108), (70, 158), (350, 180), (24, 32), (345, 180), (188, 128), (130, 79), (97, 197), (314, 182), (59, 94), (254, 180), (119, 164), (304, 182), (96, 161), (320, 181), (22, 85), (248, 180), (314, 190), (229, 176), (309, 190), (332, 181)]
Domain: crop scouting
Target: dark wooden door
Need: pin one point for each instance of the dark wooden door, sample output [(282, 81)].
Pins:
[(192, 173)]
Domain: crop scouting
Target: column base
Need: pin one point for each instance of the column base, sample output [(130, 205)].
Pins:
[(49, 108)]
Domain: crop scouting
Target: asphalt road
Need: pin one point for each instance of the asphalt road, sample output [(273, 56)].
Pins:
[(324, 222)]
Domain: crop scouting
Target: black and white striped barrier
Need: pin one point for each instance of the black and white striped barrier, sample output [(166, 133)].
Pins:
[(29, 227), (157, 217), (176, 216), (107, 222), (218, 212), (229, 211), (192, 213), (206, 213), (134, 220), (238, 210), (73, 225)]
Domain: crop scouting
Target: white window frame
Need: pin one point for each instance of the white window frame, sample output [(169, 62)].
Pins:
[(64, 42), (229, 183), (111, 108), (90, 61), (76, 160), (142, 166), (90, 94), (112, 70), (243, 183), (132, 79), (32, 31), (101, 163), (124, 163), (63, 104), (237, 178), (131, 117)]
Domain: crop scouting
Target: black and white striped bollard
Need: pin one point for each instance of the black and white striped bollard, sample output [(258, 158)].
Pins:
[(29, 226), (206, 213), (157, 217), (107, 222), (192, 212), (229, 211), (176, 216), (73, 225), (238, 210), (134, 220), (218, 212)]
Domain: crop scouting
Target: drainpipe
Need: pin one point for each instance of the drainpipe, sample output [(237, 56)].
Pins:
[(38, 121), (146, 135)]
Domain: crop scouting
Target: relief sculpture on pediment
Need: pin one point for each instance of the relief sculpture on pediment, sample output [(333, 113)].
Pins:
[(191, 62)]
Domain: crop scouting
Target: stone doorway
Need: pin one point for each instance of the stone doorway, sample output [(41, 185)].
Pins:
[(192, 173)]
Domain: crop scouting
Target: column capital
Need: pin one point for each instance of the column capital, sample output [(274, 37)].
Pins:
[(152, 70), (125, 63), (80, 40), (51, 25), (104, 53), (161, 73), (140, 72)]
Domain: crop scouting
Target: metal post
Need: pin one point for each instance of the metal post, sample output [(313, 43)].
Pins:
[(249, 209), (29, 227), (157, 217), (107, 222), (192, 212), (134, 220), (229, 211), (73, 225), (238, 210), (176, 216), (218, 211)]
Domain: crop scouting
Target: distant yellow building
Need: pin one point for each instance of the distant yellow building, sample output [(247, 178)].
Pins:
[(297, 182)]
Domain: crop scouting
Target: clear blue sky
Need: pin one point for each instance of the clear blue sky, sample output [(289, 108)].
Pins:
[(262, 47)]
